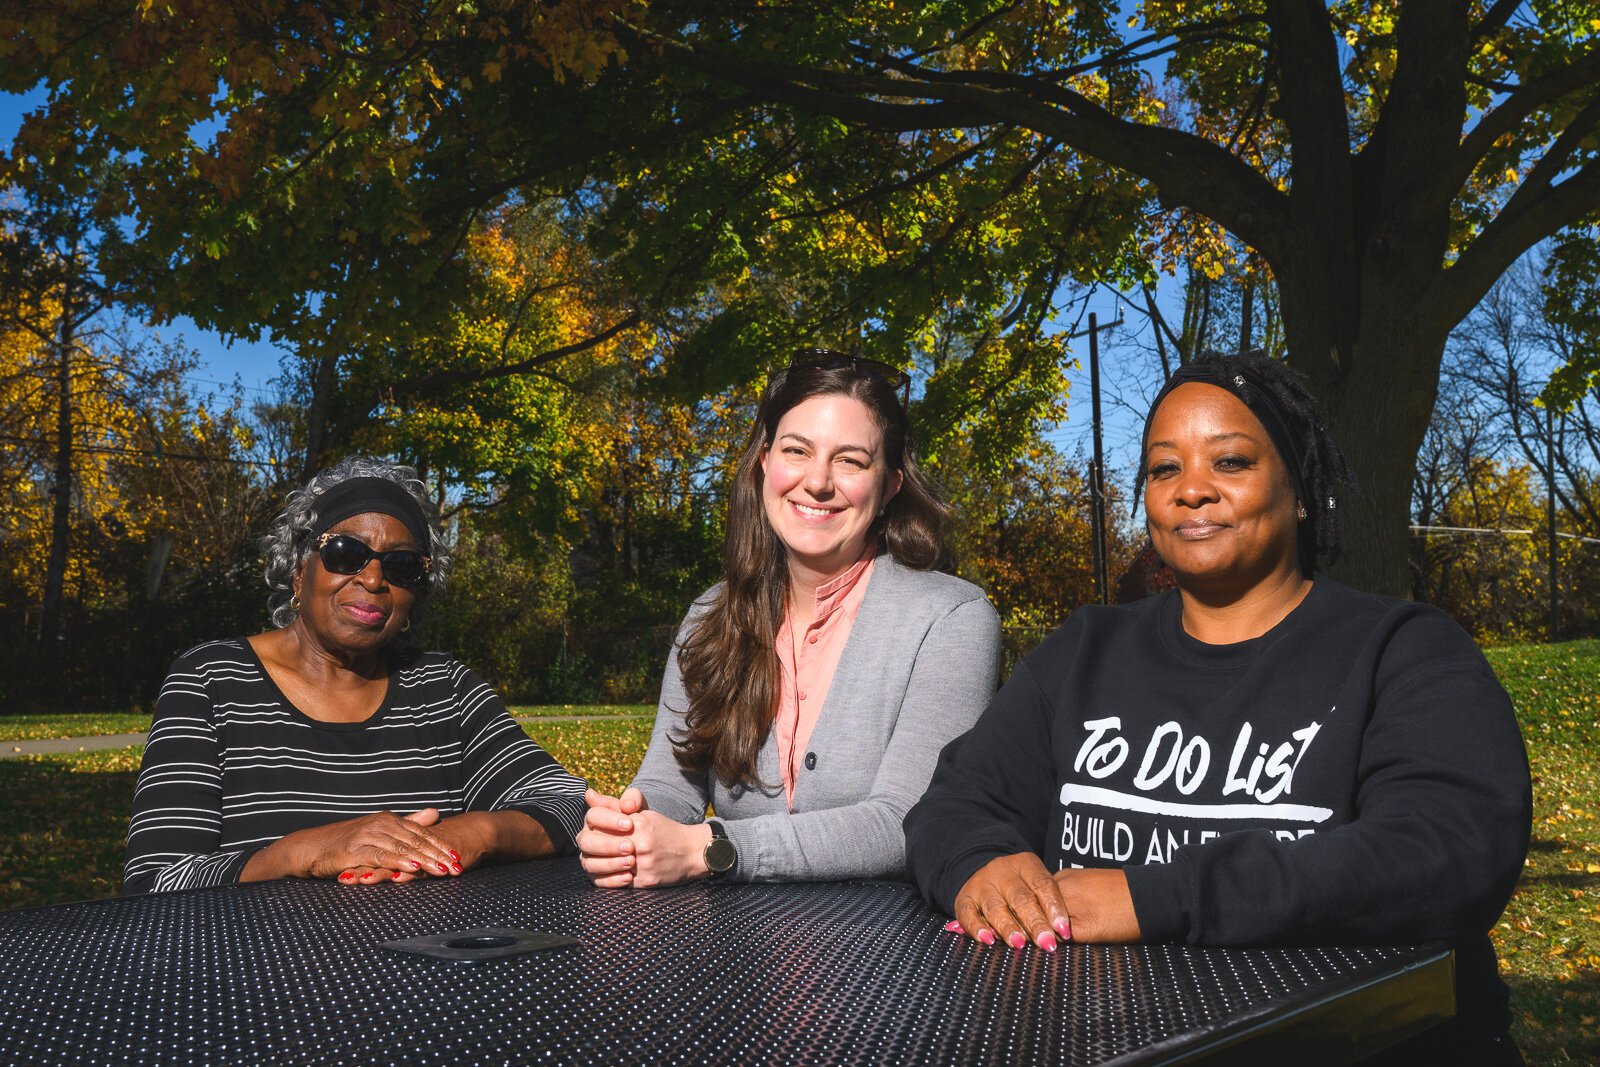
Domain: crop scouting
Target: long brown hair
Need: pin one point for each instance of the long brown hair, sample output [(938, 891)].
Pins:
[(729, 659)]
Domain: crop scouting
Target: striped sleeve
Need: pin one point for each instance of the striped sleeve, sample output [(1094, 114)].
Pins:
[(503, 768), (175, 833)]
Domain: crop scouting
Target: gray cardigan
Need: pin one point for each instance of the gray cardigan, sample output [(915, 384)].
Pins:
[(917, 669)]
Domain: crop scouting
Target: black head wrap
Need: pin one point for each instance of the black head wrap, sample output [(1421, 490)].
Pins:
[(1255, 394), (361, 496)]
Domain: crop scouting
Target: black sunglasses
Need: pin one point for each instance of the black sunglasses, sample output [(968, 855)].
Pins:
[(828, 359), (343, 554)]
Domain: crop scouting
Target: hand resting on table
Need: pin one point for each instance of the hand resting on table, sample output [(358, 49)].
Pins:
[(1017, 899)]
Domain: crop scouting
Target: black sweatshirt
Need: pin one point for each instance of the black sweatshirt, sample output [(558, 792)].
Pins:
[(1353, 776)]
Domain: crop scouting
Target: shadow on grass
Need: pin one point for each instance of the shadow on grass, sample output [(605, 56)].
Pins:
[(62, 821), (1554, 1021)]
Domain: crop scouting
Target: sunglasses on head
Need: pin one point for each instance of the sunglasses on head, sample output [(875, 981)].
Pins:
[(828, 359), (343, 554)]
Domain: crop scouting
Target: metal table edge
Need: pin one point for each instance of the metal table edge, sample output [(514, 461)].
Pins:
[(1304, 1027)]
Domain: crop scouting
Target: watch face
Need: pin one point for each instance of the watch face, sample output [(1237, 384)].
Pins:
[(721, 855)]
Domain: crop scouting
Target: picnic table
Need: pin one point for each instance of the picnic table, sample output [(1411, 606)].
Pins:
[(704, 974)]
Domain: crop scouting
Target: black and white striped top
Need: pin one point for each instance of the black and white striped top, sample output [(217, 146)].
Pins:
[(231, 765)]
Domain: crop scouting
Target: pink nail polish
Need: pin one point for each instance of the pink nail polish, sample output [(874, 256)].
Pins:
[(1015, 939), (1046, 941), (986, 935), (953, 926), (1064, 928)]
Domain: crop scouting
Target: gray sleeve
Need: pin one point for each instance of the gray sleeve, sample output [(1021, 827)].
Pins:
[(667, 788), (950, 682)]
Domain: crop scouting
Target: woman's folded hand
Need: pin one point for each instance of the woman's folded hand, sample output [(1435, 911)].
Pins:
[(624, 843)]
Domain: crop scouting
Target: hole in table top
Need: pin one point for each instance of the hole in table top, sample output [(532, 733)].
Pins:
[(480, 942)]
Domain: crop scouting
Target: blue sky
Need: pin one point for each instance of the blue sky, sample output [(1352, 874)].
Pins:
[(253, 364)]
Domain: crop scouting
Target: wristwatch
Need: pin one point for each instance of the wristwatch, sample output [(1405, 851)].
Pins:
[(721, 855)]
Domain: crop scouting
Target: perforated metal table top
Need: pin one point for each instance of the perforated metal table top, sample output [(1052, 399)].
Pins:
[(860, 973)]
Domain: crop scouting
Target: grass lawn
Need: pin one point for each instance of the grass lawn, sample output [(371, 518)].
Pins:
[(547, 711), (1549, 937), (62, 820), (45, 727)]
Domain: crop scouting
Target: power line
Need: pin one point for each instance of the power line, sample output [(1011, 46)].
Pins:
[(1504, 532)]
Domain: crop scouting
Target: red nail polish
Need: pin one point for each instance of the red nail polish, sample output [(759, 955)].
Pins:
[(986, 935), (455, 855), (443, 869), (366, 874), (457, 866), (346, 876), (415, 865)]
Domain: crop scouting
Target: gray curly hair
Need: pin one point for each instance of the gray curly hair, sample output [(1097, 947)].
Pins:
[(288, 541)]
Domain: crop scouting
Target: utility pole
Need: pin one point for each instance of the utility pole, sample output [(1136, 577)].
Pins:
[(1550, 512), (1097, 481)]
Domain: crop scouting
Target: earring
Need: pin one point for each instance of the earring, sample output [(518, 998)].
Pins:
[(1332, 503), (407, 626), (294, 602), (1302, 512)]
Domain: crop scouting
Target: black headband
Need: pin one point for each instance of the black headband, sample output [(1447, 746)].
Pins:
[(361, 496), (1255, 395)]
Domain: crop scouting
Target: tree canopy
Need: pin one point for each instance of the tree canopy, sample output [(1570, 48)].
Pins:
[(914, 179)]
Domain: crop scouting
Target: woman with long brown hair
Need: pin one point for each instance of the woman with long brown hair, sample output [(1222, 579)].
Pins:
[(808, 694)]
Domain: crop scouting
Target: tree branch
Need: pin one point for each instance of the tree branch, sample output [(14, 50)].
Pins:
[(1516, 229), (920, 178), (1495, 18), (1186, 169), (1581, 73)]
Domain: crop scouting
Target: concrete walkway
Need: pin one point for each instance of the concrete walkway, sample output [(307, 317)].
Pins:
[(56, 746)]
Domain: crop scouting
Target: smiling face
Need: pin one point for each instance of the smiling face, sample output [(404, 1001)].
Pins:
[(352, 614), (824, 480), (1220, 507)]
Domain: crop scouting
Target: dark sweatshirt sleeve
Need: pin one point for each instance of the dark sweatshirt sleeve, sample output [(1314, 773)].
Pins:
[(503, 768), (990, 796), (1443, 816)]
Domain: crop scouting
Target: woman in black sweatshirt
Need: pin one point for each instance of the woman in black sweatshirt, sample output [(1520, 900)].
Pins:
[(1260, 756)]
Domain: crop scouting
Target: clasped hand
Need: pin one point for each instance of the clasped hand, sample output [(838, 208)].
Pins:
[(623, 843)]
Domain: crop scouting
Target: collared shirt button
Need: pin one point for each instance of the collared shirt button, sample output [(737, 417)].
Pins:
[(812, 639), (802, 696), (811, 761)]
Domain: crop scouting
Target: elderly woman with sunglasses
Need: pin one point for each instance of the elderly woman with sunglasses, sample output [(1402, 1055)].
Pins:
[(808, 695), (325, 748)]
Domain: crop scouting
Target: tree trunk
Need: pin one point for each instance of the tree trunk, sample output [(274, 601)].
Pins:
[(1378, 396), (319, 414), (55, 573), (1247, 309)]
